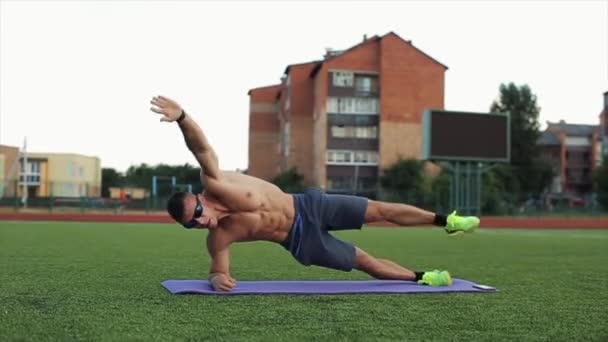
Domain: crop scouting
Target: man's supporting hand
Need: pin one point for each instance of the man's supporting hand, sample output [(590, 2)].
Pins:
[(169, 109), (222, 282)]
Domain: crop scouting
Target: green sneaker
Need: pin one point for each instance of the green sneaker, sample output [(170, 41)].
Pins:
[(461, 224), (436, 278)]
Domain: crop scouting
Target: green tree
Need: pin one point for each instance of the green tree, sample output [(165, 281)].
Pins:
[(289, 181), (532, 174), (404, 182), (600, 177), (110, 178), (499, 189), (439, 196), (139, 175)]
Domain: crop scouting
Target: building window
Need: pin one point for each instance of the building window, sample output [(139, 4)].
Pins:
[(361, 132), (343, 79), (339, 131), (339, 156), (366, 157), (366, 105), (586, 173), (287, 94), (367, 183), (340, 183), (352, 105), (345, 157), (286, 139), (366, 132), (366, 85), (33, 172)]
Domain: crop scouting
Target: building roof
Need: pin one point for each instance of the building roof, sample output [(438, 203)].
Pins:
[(410, 42), (583, 130), (46, 155), (548, 139), (298, 64), (375, 38), (317, 67), (264, 87)]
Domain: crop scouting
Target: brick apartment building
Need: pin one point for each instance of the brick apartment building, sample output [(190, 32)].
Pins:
[(340, 120), (575, 150)]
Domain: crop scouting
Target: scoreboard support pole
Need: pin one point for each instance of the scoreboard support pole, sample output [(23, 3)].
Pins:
[(465, 185), (467, 145)]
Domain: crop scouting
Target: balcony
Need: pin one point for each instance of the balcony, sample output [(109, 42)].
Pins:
[(366, 93), (578, 180), (32, 179), (349, 157), (350, 185), (353, 105)]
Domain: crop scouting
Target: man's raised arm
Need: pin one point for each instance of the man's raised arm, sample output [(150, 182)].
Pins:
[(195, 138)]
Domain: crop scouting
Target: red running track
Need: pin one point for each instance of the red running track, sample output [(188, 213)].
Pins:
[(488, 222)]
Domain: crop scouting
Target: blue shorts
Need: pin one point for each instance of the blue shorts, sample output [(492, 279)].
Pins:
[(317, 213)]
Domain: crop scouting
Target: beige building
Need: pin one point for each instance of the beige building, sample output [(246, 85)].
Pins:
[(49, 174)]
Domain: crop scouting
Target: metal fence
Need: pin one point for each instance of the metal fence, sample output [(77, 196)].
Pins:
[(506, 206), (510, 204), (491, 202)]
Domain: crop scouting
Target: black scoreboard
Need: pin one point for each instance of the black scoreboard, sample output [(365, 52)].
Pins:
[(466, 136)]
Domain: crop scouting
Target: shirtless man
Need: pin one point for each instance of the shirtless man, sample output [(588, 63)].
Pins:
[(235, 207)]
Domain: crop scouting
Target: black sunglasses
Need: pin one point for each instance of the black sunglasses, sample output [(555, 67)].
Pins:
[(198, 212)]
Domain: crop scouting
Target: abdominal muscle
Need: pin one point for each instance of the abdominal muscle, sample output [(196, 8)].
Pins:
[(268, 225)]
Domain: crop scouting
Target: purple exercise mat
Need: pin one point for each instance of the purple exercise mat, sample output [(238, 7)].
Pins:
[(318, 287)]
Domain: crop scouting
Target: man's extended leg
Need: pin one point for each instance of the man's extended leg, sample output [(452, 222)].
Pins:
[(388, 270), (407, 215), (398, 213), (381, 270)]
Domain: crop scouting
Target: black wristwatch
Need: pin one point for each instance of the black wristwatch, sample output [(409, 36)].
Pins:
[(181, 117)]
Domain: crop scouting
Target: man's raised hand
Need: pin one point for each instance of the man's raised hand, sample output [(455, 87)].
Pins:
[(169, 109)]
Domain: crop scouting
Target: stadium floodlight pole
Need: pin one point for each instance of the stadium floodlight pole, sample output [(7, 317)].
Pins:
[(155, 180), (356, 185), (25, 173)]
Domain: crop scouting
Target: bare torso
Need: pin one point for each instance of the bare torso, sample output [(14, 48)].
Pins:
[(256, 209)]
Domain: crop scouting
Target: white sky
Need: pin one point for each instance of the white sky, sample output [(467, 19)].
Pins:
[(77, 76)]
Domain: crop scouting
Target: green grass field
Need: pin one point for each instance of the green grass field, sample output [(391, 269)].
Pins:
[(97, 281)]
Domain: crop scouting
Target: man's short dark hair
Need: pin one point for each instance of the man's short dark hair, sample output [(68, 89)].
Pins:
[(175, 205)]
